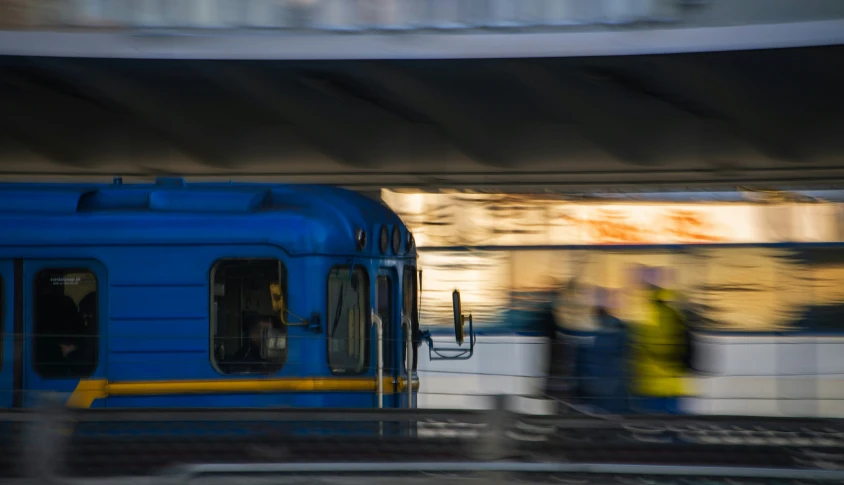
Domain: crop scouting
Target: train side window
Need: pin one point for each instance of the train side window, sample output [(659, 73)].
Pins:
[(65, 326), (245, 303), (410, 307), (348, 315)]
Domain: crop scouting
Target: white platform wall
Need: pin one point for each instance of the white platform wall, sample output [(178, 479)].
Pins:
[(740, 375)]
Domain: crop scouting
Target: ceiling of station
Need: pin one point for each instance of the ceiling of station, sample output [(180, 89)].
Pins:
[(765, 118)]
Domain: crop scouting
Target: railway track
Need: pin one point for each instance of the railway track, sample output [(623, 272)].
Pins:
[(102, 444)]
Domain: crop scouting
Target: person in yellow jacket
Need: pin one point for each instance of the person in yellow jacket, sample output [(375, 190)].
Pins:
[(660, 373)]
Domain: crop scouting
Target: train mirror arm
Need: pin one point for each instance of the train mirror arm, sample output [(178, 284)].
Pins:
[(451, 353), (314, 324)]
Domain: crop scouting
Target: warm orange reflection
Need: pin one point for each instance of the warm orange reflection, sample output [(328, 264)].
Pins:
[(747, 288), (612, 227), (449, 219), (690, 226)]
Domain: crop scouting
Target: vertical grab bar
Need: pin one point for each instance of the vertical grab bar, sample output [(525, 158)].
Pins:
[(379, 326), (407, 326)]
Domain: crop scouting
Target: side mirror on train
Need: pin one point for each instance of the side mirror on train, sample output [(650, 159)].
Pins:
[(459, 352), (459, 319), (273, 344)]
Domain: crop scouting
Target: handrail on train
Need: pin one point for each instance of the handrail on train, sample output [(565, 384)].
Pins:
[(379, 326), (407, 327)]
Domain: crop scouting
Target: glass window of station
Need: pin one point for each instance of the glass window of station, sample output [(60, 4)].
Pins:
[(248, 335), (348, 315), (65, 333)]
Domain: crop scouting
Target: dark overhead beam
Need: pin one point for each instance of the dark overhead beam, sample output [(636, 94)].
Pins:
[(719, 87), (55, 143), (162, 119), (41, 144), (284, 100), (468, 134), (630, 126)]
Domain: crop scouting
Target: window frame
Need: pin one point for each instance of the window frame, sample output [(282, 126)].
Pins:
[(366, 317), (34, 340), (212, 314), (410, 273)]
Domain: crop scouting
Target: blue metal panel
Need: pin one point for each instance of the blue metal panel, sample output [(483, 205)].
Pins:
[(7, 326), (161, 366), (158, 335), (162, 301)]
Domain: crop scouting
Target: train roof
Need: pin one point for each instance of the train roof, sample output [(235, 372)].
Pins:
[(302, 219)]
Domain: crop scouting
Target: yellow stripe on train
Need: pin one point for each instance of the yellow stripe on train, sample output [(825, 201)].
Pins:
[(90, 389)]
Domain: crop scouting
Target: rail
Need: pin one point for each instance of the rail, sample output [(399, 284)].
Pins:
[(194, 471), (56, 441)]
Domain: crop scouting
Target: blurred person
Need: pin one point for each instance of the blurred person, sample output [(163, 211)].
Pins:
[(659, 356), (561, 384), (603, 376)]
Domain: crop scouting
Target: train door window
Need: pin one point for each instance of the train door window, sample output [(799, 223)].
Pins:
[(65, 326), (384, 307), (248, 305), (348, 315), (410, 307)]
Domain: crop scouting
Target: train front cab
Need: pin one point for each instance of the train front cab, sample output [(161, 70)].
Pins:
[(144, 334)]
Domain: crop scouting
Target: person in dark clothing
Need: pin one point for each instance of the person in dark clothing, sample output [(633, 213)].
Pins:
[(58, 349), (248, 357), (88, 310), (604, 364), (561, 384)]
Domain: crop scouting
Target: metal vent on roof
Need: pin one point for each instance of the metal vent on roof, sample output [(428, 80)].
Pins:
[(38, 202), (208, 201)]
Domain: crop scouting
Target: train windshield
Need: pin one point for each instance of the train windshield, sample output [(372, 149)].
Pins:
[(348, 312)]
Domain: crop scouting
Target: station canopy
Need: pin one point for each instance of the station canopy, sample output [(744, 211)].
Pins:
[(769, 117)]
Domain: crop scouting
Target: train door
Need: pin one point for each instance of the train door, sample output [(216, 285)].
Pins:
[(410, 309), (64, 343), (384, 298), (7, 333)]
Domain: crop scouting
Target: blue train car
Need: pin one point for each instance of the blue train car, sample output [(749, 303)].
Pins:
[(205, 295)]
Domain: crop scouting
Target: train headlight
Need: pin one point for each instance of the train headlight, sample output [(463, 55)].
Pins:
[(360, 239), (396, 239), (411, 242), (383, 240)]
